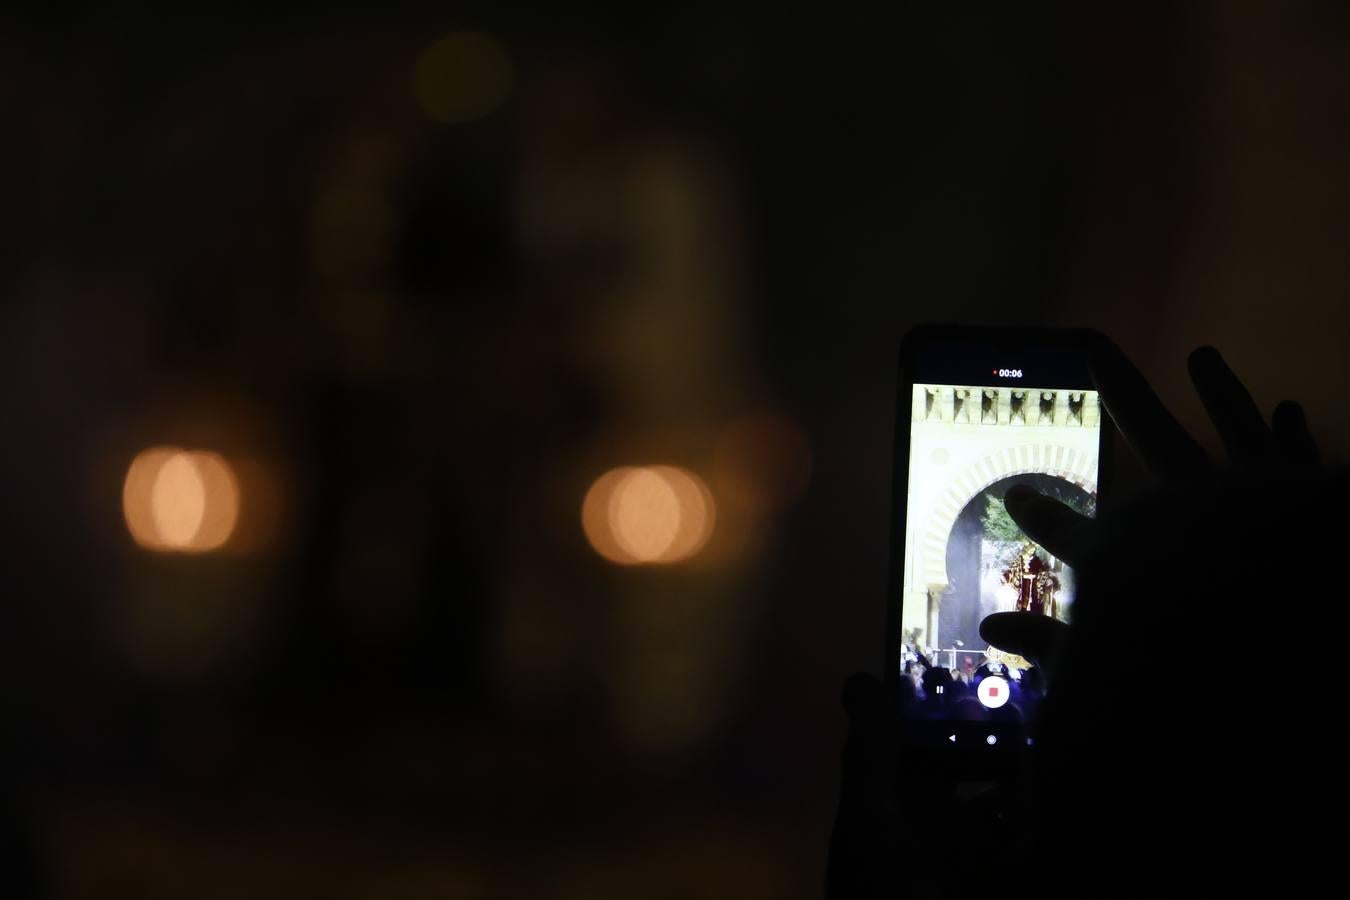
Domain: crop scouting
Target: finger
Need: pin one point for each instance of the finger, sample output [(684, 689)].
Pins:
[(1293, 441), (1165, 447), (1231, 408), (1069, 535), (1037, 638)]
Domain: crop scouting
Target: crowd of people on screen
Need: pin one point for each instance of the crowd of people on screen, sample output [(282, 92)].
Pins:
[(929, 691)]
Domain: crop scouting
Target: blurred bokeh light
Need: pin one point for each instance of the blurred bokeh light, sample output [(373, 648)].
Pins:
[(650, 514), (176, 500), (595, 517), (697, 512), (644, 514)]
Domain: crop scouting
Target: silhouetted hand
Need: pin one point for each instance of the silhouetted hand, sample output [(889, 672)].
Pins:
[(872, 854), (1176, 759), (895, 833), (1169, 452)]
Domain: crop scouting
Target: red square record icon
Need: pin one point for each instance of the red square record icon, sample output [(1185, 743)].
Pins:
[(992, 692)]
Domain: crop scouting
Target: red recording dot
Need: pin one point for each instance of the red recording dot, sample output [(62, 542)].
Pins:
[(995, 372)]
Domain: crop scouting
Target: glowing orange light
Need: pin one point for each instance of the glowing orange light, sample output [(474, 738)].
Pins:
[(463, 76), (595, 517), (644, 514), (697, 512), (656, 514), (221, 508), (180, 500), (136, 493), (177, 501)]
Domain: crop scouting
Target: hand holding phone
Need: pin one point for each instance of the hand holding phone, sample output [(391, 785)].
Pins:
[(982, 411), (1167, 450), (869, 851)]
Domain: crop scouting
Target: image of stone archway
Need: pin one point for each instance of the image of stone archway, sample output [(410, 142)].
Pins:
[(984, 547), (962, 441)]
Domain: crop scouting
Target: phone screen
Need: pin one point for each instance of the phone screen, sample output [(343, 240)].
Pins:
[(980, 421)]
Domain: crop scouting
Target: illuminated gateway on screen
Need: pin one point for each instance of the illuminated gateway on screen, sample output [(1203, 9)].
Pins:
[(965, 441)]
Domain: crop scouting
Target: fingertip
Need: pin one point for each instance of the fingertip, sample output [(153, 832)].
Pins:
[(1289, 425), (1289, 416), (994, 627), (1022, 502), (1033, 637), (1203, 359), (1021, 496)]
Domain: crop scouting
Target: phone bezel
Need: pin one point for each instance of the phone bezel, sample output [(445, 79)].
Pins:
[(1066, 353)]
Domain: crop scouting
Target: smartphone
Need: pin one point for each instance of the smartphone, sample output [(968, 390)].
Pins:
[(980, 410)]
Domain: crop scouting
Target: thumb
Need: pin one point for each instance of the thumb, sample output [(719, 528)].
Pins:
[(1037, 638)]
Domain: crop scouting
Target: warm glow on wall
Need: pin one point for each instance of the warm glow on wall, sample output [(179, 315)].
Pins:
[(180, 500), (650, 514)]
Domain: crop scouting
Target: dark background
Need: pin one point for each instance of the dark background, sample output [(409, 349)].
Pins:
[(411, 676)]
